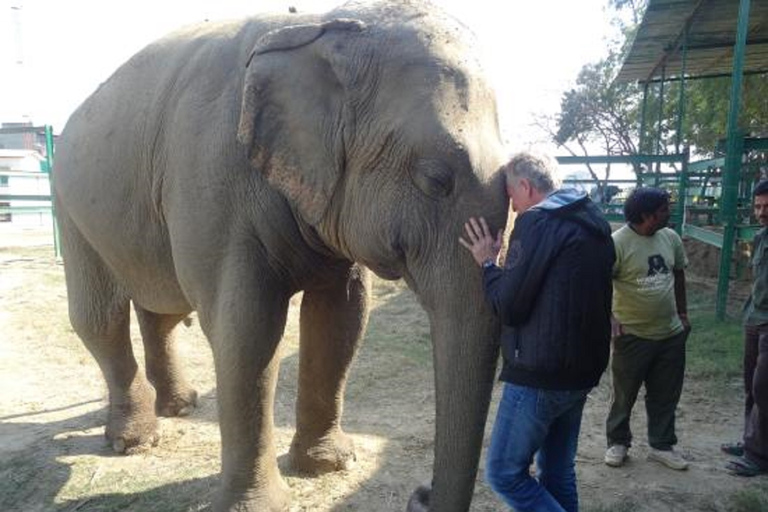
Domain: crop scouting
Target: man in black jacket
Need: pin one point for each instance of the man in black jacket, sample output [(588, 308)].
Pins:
[(553, 298)]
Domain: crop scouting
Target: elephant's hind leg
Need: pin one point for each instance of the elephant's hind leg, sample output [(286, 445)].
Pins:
[(333, 319), (175, 397), (100, 314)]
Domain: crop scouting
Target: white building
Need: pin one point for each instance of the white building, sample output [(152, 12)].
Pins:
[(24, 190)]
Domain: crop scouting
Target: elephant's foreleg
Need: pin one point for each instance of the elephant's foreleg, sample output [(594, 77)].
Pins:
[(175, 397), (100, 314), (333, 319), (245, 326)]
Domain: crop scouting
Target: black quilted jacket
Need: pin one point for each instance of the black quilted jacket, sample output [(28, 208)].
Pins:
[(553, 295)]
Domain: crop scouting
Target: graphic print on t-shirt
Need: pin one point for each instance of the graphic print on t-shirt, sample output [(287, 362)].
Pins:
[(657, 265)]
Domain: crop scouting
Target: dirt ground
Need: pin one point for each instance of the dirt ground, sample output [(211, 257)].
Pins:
[(52, 409)]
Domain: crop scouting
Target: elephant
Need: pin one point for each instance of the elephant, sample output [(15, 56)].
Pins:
[(231, 165)]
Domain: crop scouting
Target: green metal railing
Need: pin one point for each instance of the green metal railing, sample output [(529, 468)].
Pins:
[(671, 180), (46, 167), (710, 199)]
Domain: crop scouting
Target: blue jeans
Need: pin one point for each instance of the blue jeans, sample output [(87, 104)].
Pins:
[(528, 421)]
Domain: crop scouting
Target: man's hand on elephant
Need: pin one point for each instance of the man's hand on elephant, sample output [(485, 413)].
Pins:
[(481, 244)]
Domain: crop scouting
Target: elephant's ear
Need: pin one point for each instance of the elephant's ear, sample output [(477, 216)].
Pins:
[(293, 111)]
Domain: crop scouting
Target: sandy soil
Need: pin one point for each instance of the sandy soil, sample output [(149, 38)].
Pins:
[(52, 412)]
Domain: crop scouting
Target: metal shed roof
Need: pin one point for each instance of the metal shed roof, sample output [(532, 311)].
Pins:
[(710, 40)]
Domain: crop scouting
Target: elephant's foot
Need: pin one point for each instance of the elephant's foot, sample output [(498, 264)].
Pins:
[(179, 402), (419, 501), (334, 451), (274, 497), (131, 423)]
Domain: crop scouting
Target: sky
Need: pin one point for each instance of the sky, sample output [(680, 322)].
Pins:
[(54, 53)]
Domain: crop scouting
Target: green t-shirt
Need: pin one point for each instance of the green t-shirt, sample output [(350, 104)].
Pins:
[(756, 309), (644, 284)]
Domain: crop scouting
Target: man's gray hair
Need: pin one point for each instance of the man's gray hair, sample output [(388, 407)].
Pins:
[(539, 169)]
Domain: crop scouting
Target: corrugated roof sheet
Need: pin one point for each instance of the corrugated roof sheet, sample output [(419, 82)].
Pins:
[(711, 37)]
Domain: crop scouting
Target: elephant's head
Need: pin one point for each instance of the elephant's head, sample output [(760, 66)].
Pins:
[(379, 128)]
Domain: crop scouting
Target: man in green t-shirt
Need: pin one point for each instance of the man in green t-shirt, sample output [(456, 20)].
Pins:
[(650, 327), (752, 453)]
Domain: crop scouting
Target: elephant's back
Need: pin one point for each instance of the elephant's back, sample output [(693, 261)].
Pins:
[(155, 123), (166, 111), (114, 131), (186, 74)]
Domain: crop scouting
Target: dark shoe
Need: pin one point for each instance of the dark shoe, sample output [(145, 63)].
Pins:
[(744, 467), (733, 449)]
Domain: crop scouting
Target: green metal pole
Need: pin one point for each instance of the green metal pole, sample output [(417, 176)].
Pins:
[(681, 97), (682, 187), (658, 124), (734, 150), (49, 148)]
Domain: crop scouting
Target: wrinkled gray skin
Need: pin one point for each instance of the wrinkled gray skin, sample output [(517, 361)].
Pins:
[(229, 166)]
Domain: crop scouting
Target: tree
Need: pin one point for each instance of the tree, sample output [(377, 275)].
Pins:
[(599, 115), (707, 103), (604, 117), (599, 111)]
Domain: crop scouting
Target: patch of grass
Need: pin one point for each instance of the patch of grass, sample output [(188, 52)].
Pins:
[(715, 348), (749, 500), (398, 324)]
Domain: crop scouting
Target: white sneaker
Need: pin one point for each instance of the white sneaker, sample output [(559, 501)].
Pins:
[(669, 458), (616, 455)]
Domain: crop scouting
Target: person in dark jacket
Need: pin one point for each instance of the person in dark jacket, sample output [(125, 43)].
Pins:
[(553, 297)]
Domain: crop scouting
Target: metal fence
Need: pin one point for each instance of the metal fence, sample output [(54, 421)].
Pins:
[(709, 202), (13, 200)]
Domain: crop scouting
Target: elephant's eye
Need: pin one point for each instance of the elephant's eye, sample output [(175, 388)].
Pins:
[(433, 178)]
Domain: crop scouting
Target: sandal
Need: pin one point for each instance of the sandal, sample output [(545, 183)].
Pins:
[(733, 449), (744, 467)]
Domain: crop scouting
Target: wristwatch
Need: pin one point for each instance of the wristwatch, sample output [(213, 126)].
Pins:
[(488, 263)]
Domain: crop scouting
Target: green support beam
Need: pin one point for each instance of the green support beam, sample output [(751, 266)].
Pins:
[(622, 159), (681, 97), (659, 122), (756, 144), (26, 197), (735, 147), (678, 217), (49, 149), (707, 236), (705, 165), (25, 209)]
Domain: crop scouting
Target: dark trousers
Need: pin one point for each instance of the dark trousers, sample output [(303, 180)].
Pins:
[(756, 391), (660, 365)]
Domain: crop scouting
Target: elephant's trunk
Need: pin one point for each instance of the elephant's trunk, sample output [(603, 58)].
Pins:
[(465, 341), (462, 409)]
